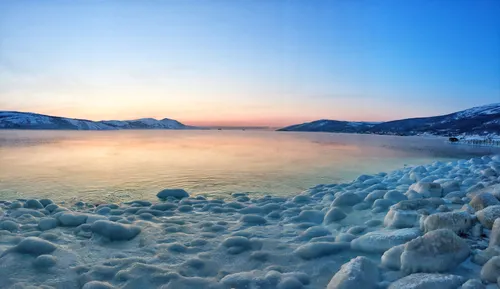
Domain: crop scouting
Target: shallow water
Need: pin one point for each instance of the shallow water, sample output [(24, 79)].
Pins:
[(125, 165)]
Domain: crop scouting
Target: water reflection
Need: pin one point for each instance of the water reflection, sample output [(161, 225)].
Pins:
[(124, 165)]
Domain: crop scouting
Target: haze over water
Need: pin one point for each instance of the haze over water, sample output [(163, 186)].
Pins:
[(125, 165)]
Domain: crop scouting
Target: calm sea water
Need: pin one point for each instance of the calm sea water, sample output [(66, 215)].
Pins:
[(125, 165)]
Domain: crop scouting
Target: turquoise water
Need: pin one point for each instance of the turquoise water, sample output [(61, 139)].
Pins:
[(125, 165)]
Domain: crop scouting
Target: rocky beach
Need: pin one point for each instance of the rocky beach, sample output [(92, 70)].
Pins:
[(423, 227)]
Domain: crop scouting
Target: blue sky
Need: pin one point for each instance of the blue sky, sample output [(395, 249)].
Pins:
[(249, 62)]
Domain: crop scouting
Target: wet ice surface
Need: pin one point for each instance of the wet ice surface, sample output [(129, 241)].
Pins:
[(431, 226)]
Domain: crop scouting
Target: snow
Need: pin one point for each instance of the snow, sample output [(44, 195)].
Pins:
[(493, 108), (265, 242), (23, 120)]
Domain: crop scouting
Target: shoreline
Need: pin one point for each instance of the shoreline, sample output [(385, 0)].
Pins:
[(385, 231)]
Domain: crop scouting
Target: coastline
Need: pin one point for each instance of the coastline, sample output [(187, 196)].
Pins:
[(388, 229)]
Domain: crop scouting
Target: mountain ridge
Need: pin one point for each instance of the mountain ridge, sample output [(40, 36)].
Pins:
[(480, 120), (31, 120)]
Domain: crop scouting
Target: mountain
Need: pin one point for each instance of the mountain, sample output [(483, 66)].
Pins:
[(481, 120), (27, 120)]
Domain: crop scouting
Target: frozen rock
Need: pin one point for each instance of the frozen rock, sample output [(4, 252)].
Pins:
[(473, 284), (320, 249), (47, 223), (34, 246), (412, 195), (44, 261), (24, 211), (428, 190), (334, 215), (9, 225), (345, 237), (164, 207), (174, 193), (458, 222), (383, 203), (314, 232), (395, 196), (450, 186), (72, 219), (375, 195), (483, 200), (346, 199), (491, 270), (253, 220), (97, 285), (313, 216), (46, 202), (360, 272), (488, 215), (361, 206), (391, 258), (381, 241), (455, 194), (437, 251), (33, 204), (373, 223), (115, 231), (428, 281), (401, 219), (300, 199), (51, 207)]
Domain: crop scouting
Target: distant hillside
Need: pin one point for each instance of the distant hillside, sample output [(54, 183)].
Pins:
[(27, 120), (481, 120)]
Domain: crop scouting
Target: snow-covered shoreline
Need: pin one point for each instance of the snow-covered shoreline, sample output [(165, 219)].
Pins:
[(423, 227)]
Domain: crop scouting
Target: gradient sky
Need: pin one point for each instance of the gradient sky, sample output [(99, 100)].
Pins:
[(249, 62)]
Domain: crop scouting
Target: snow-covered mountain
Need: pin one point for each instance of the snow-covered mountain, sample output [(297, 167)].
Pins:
[(27, 120), (481, 120)]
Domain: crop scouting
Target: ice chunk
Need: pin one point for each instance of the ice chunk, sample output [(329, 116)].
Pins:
[(175, 193), (360, 272), (115, 231)]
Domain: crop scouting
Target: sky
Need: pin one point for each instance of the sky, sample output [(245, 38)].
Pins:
[(248, 62)]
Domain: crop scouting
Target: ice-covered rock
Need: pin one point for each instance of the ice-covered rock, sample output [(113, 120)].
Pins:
[(34, 246), (115, 231), (360, 272), (488, 215), (391, 258), (9, 225), (253, 220), (458, 222), (473, 284), (334, 215), (46, 202), (174, 193), (435, 252), (427, 189), (320, 249), (401, 218), (313, 216), (72, 219), (495, 234), (33, 204), (47, 223), (24, 211), (450, 186), (483, 200), (428, 281), (491, 270), (346, 199), (375, 195), (44, 261), (97, 285), (381, 241), (395, 196)]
